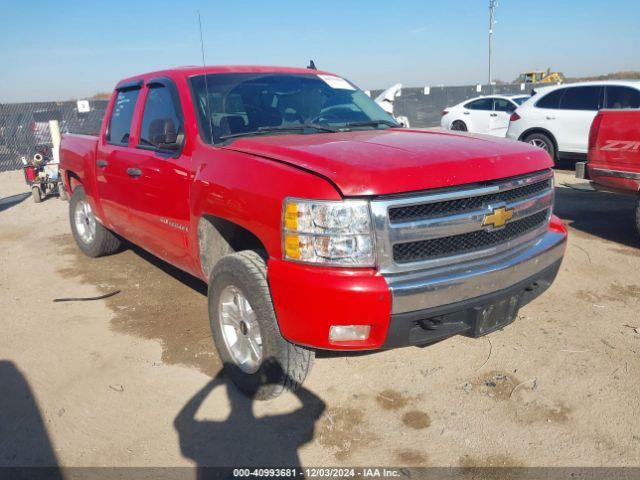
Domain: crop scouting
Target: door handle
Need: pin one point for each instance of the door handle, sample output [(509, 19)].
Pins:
[(493, 114), (134, 172), (102, 163), (551, 118)]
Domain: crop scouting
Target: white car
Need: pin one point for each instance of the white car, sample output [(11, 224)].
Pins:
[(558, 118), (489, 115)]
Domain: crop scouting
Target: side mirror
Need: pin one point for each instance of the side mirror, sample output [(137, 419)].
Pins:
[(172, 142), (165, 135)]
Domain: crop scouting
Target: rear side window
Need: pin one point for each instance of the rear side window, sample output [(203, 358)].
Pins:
[(551, 100), (581, 98), (502, 105), (482, 104), (120, 122), (622, 97), (161, 119)]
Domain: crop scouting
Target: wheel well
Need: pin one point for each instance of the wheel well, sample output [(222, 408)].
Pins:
[(542, 131), (218, 237), (73, 180)]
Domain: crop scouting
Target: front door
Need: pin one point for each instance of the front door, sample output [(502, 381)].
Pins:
[(578, 108), (160, 186)]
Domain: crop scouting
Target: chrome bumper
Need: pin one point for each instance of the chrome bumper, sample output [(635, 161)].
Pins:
[(412, 291)]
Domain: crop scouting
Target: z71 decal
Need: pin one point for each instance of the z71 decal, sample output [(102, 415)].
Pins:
[(621, 146)]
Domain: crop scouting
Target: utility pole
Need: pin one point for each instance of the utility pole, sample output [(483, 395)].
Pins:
[(493, 4)]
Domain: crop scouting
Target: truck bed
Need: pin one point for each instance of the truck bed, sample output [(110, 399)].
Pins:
[(76, 151)]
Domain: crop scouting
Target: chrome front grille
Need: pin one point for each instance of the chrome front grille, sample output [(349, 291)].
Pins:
[(462, 205), (467, 242), (446, 227)]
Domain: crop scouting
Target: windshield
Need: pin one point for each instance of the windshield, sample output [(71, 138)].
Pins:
[(258, 103)]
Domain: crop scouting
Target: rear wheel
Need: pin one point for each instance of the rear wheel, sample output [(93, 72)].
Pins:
[(255, 355), (93, 239), (459, 126), (36, 194), (543, 141)]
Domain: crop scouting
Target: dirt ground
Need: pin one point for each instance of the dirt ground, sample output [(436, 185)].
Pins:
[(132, 380)]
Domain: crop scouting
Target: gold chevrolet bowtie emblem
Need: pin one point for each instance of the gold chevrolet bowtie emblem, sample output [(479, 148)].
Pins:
[(497, 218)]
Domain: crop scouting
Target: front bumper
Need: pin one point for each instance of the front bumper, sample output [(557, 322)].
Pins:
[(308, 299)]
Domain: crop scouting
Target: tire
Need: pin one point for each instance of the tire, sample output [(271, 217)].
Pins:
[(281, 365), (94, 239), (459, 126), (543, 141), (638, 217), (36, 194), (62, 192)]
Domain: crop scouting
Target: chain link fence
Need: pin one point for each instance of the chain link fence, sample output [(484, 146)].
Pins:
[(24, 126)]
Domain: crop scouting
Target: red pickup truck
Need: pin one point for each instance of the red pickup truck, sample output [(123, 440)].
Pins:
[(613, 161), (316, 220)]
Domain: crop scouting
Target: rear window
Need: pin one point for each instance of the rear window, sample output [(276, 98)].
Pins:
[(581, 98), (120, 122), (622, 97), (482, 104), (551, 99)]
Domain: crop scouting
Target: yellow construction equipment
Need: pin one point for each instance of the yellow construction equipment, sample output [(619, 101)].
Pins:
[(539, 76)]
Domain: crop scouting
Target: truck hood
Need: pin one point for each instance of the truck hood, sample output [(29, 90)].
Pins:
[(381, 162)]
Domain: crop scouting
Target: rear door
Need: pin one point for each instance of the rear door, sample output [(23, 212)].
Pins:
[(112, 160), (477, 115), (578, 107), (160, 187), (499, 118)]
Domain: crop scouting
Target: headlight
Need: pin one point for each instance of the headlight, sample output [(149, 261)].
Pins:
[(328, 232)]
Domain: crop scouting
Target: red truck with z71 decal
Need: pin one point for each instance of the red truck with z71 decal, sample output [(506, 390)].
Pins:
[(317, 221), (613, 161)]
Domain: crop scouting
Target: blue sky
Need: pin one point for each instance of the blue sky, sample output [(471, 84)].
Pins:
[(56, 50)]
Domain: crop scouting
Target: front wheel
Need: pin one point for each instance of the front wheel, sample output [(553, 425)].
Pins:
[(638, 216), (244, 326), (91, 236)]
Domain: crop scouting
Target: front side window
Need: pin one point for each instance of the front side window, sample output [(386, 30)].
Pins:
[(503, 105), (121, 116), (482, 104), (268, 103), (581, 98), (622, 97), (161, 120)]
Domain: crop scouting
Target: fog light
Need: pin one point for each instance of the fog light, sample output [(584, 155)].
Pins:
[(347, 333)]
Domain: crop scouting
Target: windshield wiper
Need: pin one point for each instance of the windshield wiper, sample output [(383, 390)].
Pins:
[(373, 123), (282, 128)]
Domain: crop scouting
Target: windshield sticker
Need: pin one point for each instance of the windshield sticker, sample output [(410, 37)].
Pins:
[(336, 82)]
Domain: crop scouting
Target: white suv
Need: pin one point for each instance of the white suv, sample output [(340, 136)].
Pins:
[(558, 118)]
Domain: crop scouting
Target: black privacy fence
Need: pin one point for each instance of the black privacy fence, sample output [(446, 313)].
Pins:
[(423, 106), (25, 126)]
